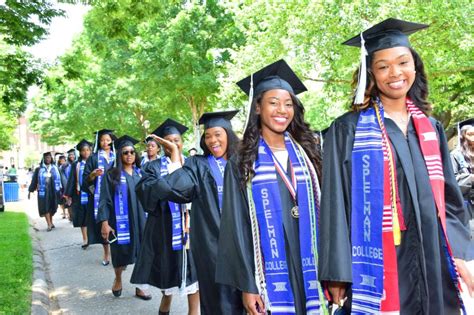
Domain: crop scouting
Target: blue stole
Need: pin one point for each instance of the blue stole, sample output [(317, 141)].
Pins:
[(176, 210), (102, 162), (67, 171), (79, 171), (266, 197), (121, 209), (217, 167), (54, 172), (367, 214)]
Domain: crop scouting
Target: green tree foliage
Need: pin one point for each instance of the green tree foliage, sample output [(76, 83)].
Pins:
[(22, 23), (148, 60)]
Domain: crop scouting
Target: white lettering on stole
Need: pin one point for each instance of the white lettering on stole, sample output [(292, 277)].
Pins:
[(270, 228), (366, 190)]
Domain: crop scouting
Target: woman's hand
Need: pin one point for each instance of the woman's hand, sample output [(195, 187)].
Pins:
[(168, 146), (253, 303), (105, 230), (338, 291), (465, 275)]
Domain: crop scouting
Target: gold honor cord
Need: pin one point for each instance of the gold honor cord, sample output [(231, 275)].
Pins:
[(397, 238)]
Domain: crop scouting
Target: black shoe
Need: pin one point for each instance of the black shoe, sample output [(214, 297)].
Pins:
[(143, 297), (163, 313), (84, 246), (52, 226), (117, 293), (105, 262), (48, 229)]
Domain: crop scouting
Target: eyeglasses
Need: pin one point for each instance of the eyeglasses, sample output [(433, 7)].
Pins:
[(132, 152)]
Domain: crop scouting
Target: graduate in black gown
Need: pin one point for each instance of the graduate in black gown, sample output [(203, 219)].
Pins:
[(62, 164), (200, 181), (120, 214), (70, 159), (101, 160), (153, 150), (382, 240), (47, 181), (267, 241), (78, 200), (165, 260)]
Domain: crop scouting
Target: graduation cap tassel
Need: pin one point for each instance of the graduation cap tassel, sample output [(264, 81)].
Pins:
[(116, 157), (362, 82), (249, 105), (96, 140)]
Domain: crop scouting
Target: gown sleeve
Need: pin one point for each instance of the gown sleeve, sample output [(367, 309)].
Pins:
[(34, 181), (334, 234), (148, 188), (457, 218), (106, 201), (69, 188), (181, 185), (235, 259), (91, 164)]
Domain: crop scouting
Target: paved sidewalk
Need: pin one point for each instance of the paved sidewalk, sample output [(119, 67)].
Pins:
[(79, 283)]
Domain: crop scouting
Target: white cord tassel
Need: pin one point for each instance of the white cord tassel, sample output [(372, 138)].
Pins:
[(362, 82), (249, 105), (96, 140)]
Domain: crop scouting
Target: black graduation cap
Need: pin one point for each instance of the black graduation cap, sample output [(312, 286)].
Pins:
[(170, 127), (467, 122), (387, 34), (217, 119), (82, 144), (101, 132), (277, 75), (47, 153), (73, 150), (125, 141), (59, 154)]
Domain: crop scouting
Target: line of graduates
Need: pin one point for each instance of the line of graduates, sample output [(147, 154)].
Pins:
[(379, 227)]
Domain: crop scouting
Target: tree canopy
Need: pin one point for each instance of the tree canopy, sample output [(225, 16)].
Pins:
[(22, 23), (149, 60)]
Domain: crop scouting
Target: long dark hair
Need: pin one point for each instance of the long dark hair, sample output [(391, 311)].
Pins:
[(464, 148), (298, 129), (418, 92), (115, 172), (232, 143)]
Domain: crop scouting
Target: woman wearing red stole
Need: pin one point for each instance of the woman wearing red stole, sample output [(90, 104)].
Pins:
[(393, 228), (268, 234)]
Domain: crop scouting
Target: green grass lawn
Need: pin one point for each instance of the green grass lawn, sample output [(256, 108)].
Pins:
[(16, 265)]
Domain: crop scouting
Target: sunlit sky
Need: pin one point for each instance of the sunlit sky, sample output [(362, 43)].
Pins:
[(62, 31)]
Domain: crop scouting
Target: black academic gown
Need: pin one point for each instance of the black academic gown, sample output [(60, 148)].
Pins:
[(122, 254), (79, 211), (235, 259), (62, 172), (93, 228), (424, 282), (158, 264), (49, 203), (195, 183)]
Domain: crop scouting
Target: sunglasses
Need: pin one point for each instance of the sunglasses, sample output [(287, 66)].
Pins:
[(132, 152)]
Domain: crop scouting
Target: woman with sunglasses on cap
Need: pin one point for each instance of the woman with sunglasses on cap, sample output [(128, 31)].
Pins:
[(200, 181), (47, 181), (165, 260), (390, 201), (77, 199), (121, 215), (101, 160), (268, 240)]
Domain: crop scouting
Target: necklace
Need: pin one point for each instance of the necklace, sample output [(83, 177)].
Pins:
[(277, 148)]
